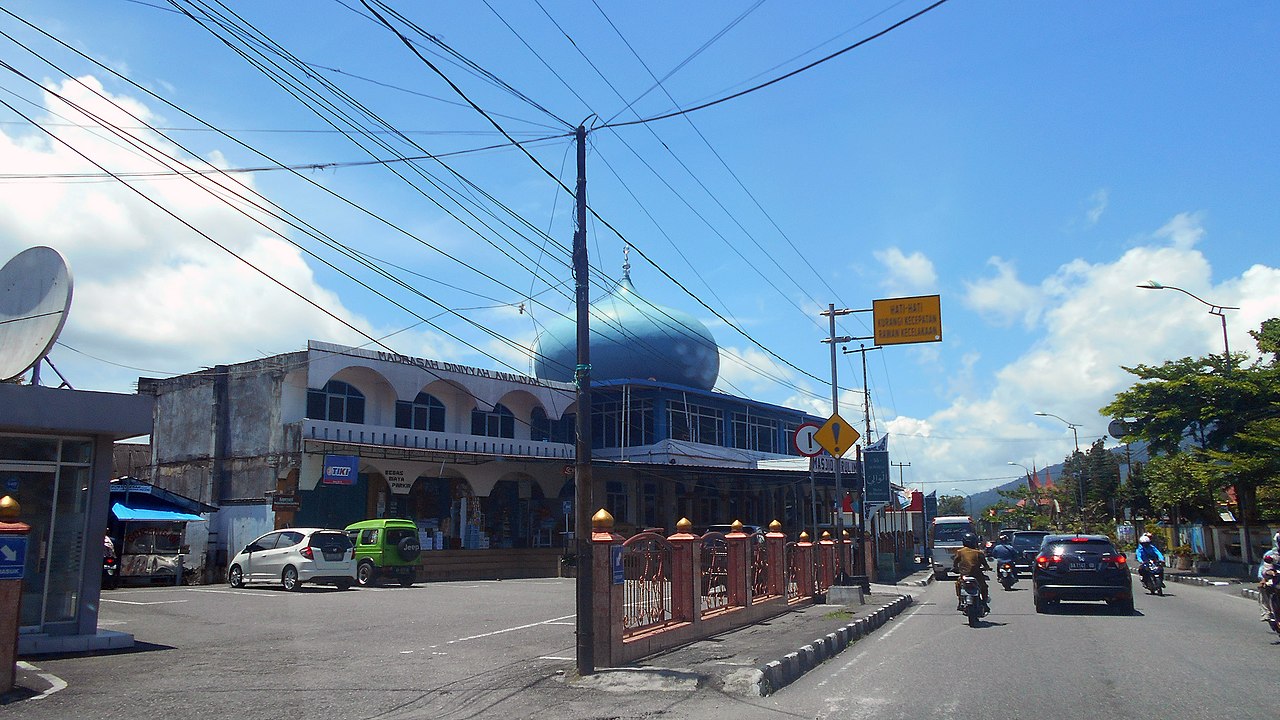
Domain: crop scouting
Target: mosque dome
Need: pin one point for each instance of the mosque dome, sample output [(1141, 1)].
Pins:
[(631, 338)]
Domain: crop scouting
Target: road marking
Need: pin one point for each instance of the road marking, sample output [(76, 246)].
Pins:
[(902, 618), (555, 657), (232, 592), (512, 629), (153, 602), (55, 683)]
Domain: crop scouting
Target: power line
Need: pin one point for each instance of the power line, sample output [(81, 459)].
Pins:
[(780, 78)]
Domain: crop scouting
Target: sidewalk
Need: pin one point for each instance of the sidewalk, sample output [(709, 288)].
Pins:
[(762, 658), (1233, 585)]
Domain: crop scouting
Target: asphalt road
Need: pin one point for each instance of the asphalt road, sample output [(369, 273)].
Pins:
[(505, 650), (1194, 653)]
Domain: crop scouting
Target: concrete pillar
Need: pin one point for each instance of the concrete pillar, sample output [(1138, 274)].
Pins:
[(739, 579), (10, 593), (686, 574), (606, 596), (827, 550), (776, 543), (804, 566)]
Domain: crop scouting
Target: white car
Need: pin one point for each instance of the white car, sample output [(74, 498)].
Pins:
[(294, 556)]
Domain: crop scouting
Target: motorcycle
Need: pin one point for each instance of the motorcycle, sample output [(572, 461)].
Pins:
[(1006, 574), (971, 603), (110, 572), (1153, 578), (1272, 581)]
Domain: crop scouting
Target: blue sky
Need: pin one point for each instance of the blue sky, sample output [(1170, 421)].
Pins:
[(1031, 163)]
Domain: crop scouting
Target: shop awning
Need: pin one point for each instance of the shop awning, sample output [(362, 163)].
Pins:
[(123, 512)]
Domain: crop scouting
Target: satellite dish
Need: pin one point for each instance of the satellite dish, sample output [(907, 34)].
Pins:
[(35, 294), (1118, 428)]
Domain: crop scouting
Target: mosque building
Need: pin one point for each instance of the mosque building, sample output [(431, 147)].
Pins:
[(482, 460)]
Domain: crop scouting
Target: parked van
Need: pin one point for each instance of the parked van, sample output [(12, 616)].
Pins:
[(947, 536), (385, 548)]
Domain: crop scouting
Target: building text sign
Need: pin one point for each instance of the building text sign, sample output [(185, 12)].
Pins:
[(907, 320)]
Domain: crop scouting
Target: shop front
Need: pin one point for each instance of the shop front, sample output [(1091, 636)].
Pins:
[(148, 529)]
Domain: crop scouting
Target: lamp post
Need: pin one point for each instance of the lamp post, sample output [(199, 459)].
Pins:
[(1028, 471), (1246, 546), (1213, 310), (1076, 436)]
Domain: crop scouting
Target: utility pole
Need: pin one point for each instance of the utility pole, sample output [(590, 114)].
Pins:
[(831, 314), (582, 447), (866, 419)]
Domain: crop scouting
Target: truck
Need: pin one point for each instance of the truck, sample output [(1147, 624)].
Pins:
[(945, 537)]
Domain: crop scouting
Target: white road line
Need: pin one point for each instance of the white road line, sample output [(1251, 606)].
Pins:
[(555, 657), (902, 617), (55, 683), (153, 602), (507, 630), (234, 592)]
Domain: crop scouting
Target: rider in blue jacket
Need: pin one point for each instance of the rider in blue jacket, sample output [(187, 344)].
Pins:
[(1147, 550)]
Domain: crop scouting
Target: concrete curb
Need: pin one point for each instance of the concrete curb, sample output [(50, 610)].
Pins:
[(778, 674)]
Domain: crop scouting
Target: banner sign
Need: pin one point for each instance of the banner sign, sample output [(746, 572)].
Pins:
[(876, 465), (340, 470), (930, 507)]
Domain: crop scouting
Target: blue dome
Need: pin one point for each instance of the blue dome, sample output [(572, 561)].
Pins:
[(631, 338)]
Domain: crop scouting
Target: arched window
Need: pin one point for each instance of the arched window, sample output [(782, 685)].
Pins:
[(337, 402), (539, 426), (424, 413), (499, 423)]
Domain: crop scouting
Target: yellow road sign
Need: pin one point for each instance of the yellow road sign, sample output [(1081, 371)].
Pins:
[(907, 320), (836, 436)]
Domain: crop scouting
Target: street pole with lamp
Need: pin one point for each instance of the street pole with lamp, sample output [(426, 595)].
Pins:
[(1076, 436), (1213, 310), (1246, 548), (1028, 476)]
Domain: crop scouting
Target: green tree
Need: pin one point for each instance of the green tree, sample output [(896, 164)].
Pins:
[(952, 505), (1226, 417)]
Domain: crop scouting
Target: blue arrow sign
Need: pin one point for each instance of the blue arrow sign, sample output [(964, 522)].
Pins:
[(13, 557)]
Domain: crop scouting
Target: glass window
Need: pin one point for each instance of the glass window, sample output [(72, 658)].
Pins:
[(77, 451), (289, 539), (369, 537), (424, 413), (25, 448), (752, 432), (266, 542), (500, 423), (696, 423), (616, 500), (618, 424), (336, 402), (951, 532)]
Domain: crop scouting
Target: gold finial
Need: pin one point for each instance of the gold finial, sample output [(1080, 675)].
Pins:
[(775, 527), (804, 536), (9, 508), (845, 533), (826, 535), (736, 526), (602, 521), (684, 526)]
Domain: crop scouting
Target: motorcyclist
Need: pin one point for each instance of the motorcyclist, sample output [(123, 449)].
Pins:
[(1269, 567), (1147, 551), (1003, 550), (970, 561)]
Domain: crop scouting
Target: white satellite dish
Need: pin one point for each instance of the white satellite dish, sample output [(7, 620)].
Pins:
[(35, 294)]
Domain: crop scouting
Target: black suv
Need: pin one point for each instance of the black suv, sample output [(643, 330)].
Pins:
[(1026, 545), (1081, 567)]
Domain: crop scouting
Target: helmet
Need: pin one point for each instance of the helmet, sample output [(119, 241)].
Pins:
[(1271, 558), (970, 540), (1144, 539)]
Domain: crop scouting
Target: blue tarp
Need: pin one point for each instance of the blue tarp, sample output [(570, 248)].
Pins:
[(123, 512)]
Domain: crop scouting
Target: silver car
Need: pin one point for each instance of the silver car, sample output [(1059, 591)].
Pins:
[(294, 556)]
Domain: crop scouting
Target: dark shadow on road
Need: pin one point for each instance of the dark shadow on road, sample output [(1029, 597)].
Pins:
[(1086, 608), (138, 647)]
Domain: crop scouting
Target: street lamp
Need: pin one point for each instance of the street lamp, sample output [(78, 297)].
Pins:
[(1074, 434), (1213, 310), (968, 500)]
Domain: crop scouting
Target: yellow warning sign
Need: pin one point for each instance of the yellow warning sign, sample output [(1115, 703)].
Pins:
[(907, 320), (836, 436)]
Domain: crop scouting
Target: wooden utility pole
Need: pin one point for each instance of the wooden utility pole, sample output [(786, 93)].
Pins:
[(582, 447)]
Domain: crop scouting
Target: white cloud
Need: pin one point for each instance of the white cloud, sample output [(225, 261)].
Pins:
[(905, 274), (1004, 299), (149, 291), (1094, 319), (1097, 206)]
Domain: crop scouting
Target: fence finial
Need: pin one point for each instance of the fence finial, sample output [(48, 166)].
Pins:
[(775, 527), (826, 535), (736, 526), (684, 526), (602, 521)]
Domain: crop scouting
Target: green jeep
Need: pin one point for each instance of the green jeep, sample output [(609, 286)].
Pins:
[(385, 548)]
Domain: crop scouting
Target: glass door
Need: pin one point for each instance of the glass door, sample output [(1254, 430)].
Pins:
[(34, 491)]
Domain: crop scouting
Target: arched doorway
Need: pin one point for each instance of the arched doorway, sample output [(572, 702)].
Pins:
[(517, 515)]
